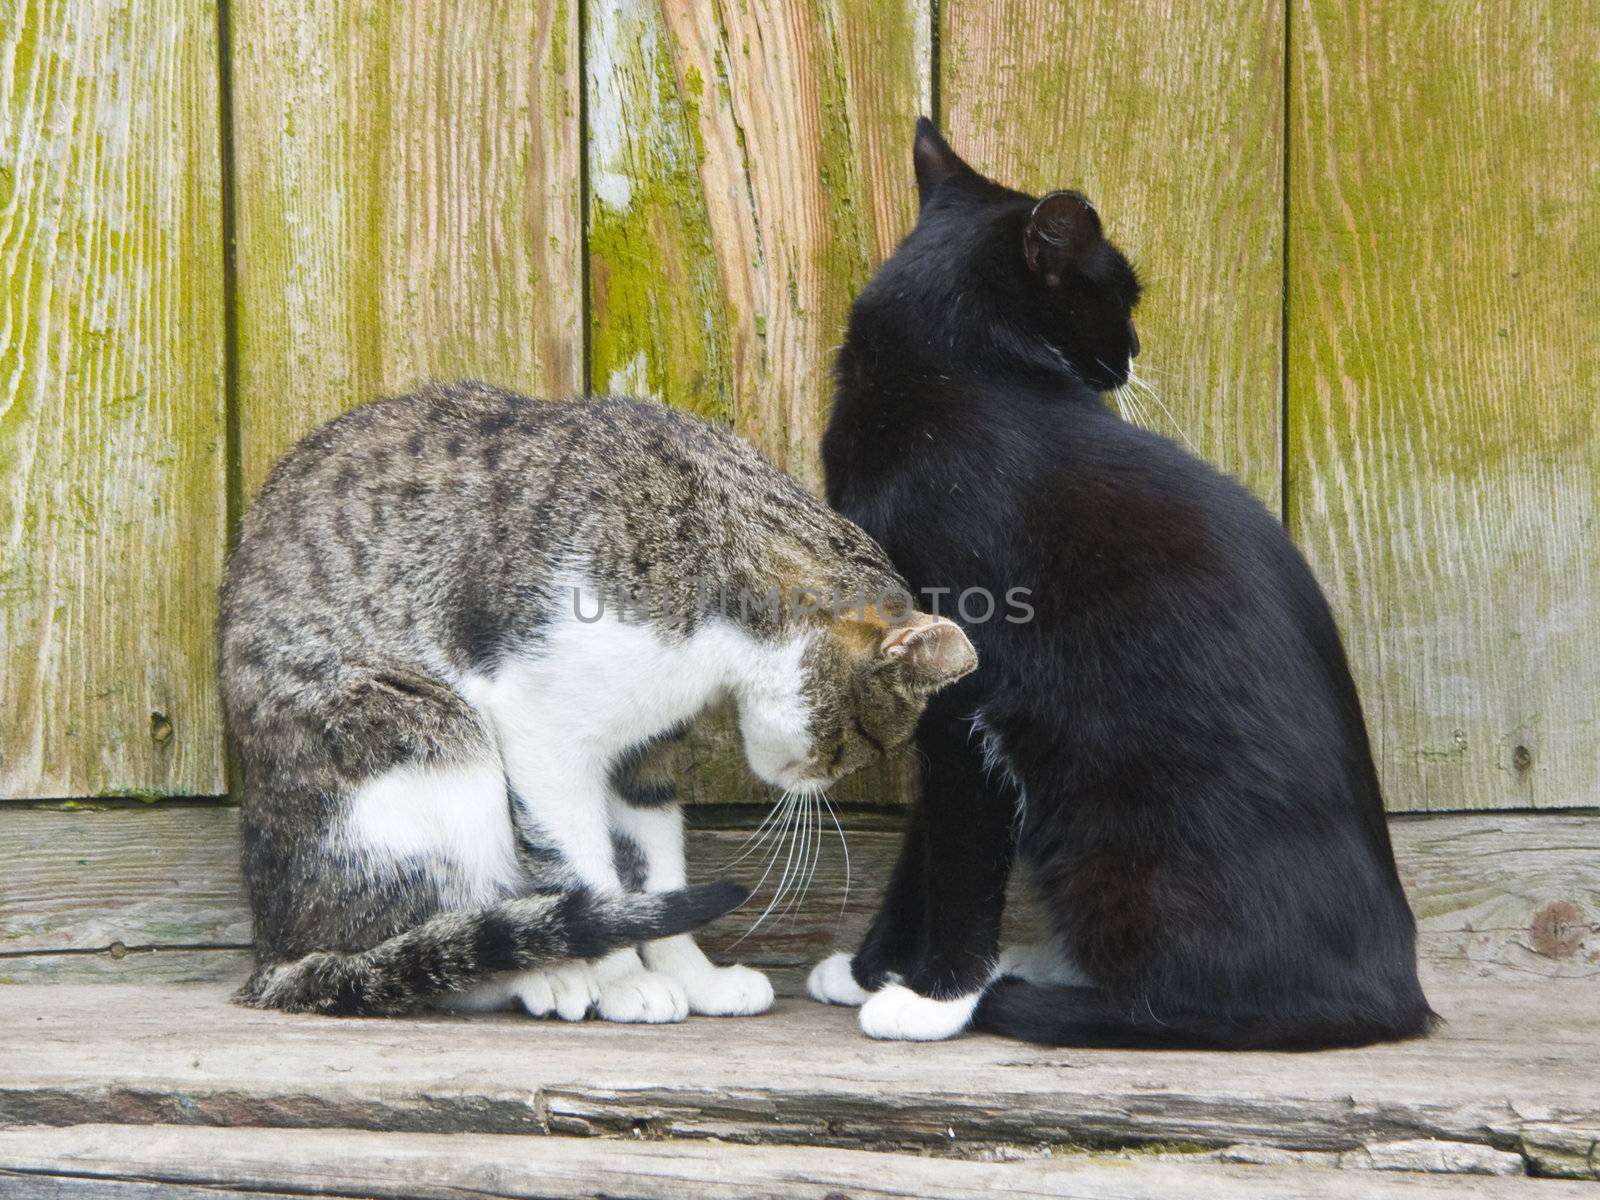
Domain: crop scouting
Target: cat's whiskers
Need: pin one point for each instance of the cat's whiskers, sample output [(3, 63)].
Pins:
[(816, 800), (790, 831), (784, 809), (843, 845), (802, 877), (759, 835), (1144, 388)]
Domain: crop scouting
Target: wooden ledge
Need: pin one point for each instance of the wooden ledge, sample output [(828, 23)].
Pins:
[(112, 1162), (1512, 1056)]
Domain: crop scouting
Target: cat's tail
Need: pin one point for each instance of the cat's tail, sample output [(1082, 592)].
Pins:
[(1056, 1015), (455, 950)]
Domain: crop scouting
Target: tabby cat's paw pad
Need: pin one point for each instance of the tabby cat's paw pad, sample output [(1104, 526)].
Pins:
[(896, 1013), (644, 997), (568, 991), (735, 991), (832, 982)]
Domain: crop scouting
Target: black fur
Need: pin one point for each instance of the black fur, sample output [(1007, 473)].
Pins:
[(1177, 751)]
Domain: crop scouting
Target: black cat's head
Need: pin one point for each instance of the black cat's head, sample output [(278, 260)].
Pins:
[(997, 272)]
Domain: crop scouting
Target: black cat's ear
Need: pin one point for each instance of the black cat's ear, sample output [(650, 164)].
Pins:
[(936, 162), (1062, 227)]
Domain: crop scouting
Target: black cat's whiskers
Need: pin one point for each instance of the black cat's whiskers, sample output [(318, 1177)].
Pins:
[(1142, 387)]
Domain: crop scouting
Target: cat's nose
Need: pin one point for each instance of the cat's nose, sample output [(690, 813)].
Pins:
[(1133, 342)]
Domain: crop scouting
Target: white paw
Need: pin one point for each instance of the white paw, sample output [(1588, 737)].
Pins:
[(832, 982), (897, 1013), (568, 991), (643, 997), (727, 992), (1040, 963)]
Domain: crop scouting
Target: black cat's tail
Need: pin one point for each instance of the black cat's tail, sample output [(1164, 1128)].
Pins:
[(1052, 1015), (455, 950)]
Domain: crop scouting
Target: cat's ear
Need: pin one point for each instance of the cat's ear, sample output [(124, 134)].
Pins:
[(936, 162), (929, 652), (1062, 227)]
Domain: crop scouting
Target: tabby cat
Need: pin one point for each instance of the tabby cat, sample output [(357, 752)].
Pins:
[(462, 632)]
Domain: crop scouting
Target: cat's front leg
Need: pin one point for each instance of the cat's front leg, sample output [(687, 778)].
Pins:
[(967, 817), (560, 809), (648, 822), (890, 951)]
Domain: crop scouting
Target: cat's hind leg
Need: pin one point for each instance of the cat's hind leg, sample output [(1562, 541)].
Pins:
[(647, 823)]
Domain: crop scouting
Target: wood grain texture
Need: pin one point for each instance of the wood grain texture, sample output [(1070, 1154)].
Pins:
[(111, 398), (1168, 114), (423, 1165), (408, 205), (1444, 439), (1512, 1054), (1502, 896), (749, 164)]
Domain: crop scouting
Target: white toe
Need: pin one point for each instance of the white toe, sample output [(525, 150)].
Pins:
[(896, 1013), (832, 982), (567, 991), (735, 991), (645, 997)]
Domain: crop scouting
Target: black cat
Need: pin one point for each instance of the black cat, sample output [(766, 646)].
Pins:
[(1172, 745)]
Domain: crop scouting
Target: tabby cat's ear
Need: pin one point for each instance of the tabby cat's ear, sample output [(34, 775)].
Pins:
[(1062, 227), (929, 651), (936, 162)]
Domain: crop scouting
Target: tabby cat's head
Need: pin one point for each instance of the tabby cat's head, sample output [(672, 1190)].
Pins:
[(859, 690), (1003, 279)]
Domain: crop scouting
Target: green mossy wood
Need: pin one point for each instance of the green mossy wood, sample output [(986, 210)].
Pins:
[(407, 182), (112, 427), (1444, 384), (748, 167), (1168, 114), (410, 202)]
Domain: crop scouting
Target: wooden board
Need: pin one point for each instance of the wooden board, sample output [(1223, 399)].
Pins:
[(407, 181), (1168, 114), (1444, 439), (1511, 1055), (111, 398), (1497, 896), (418, 1165), (748, 166)]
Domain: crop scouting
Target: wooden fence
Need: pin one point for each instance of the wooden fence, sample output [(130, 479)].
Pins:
[(1371, 233)]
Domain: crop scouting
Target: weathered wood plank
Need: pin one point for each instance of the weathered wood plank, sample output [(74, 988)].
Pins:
[(1443, 436), (408, 205), (748, 165), (1181, 147), (1510, 1054), (1496, 895), (419, 1165), (111, 398)]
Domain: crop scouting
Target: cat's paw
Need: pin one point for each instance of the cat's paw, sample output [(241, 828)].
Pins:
[(567, 991), (643, 997), (833, 982), (896, 1013), (735, 991)]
